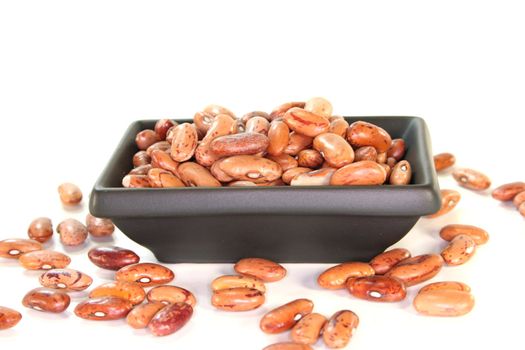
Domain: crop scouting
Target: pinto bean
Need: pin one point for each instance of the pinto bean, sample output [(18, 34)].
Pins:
[(161, 178), (417, 269), (170, 319), (146, 138), (163, 160), (44, 260), (308, 329), (238, 144), (397, 149), (263, 269), (251, 168), (339, 329), (195, 175), (171, 295), (72, 232), (306, 123), (449, 200), (99, 227), (142, 314), (278, 137), (145, 274), (141, 158), (364, 172), (237, 299), (215, 110), (258, 125), (338, 126), (383, 262), (334, 149), (444, 302), (242, 184), (222, 125), (285, 161), (236, 281), (142, 169), (9, 317), (162, 126), (366, 153), (70, 194), (297, 142), (286, 316), (163, 146), (479, 235), (14, 248), (471, 179), (377, 288), (319, 106), (507, 192), (103, 309), (336, 276), (280, 110), (112, 258), (444, 161), (291, 173), (361, 133), (250, 115), (459, 250), (47, 300), (202, 122), (391, 162), (445, 285), (401, 173), (130, 291), (288, 346), (310, 158), (184, 142), (65, 279), (40, 229), (320, 177), (135, 181)]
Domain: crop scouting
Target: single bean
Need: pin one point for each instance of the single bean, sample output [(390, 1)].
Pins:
[(507, 192), (310, 158), (65, 279), (170, 319), (471, 179), (518, 199), (112, 258), (397, 149), (445, 285), (9, 317), (383, 262), (142, 314), (141, 158), (263, 269), (40, 229), (288, 346), (364, 172), (237, 299), (319, 106), (162, 126), (161, 178), (215, 110), (146, 138), (366, 153), (444, 302), (163, 146), (459, 250), (70, 194), (278, 137), (449, 200), (257, 125), (72, 232), (320, 177), (142, 169), (250, 115), (103, 309), (279, 111), (47, 300), (251, 168), (44, 260), (13, 248), (361, 133), (195, 175), (339, 329), (417, 269), (377, 288), (285, 161), (171, 295), (238, 144), (443, 161), (135, 181), (334, 149), (401, 173), (297, 142), (145, 274), (306, 123), (286, 316), (236, 281), (130, 291), (308, 329), (99, 227), (222, 125), (479, 235), (163, 160), (338, 126), (291, 173), (336, 276), (184, 142)]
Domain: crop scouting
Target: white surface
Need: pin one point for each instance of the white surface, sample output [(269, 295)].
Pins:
[(74, 74)]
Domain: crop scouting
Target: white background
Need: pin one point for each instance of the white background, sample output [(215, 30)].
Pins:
[(74, 74)]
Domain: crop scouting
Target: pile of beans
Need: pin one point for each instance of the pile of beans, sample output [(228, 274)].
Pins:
[(297, 144)]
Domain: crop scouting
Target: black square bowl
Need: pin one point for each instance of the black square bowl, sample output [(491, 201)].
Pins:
[(286, 224)]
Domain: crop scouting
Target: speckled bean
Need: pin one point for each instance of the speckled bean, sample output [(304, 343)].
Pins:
[(44, 260), (449, 200), (263, 269), (239, 144), (338, 126), (286, 316), (237, 299), (507, 192), (364, 172), (214, 110), (103, 309), (383, 262), (320, 177), (308, 329), (142, 314), (257, 125), (141, 169), (130, 291), (479, 235), (160, 159), (251, 168), (202, 122), (146, 138), (195, 175), (366, 153), (336, 276), (305, 122), (310, 158), (161, 178), (9, 317), (250, 115), (12, 248), (40, 229), (47, 300), (70, 194), (361, 133), (297, 142), (519, 199), (417, 269), (171, 295), (222, 125), (291, 173), (444, 161), (112, 258), (135, 181), (339, 329), (141, 158), (334, 149), (163, 146), (170, 319), (377, 288), (65, 279), (184, 142), (162, 126), (445, 285), (99, 227), (401, 173), (319, 106), (145, 274), (285, 161), (460, 249), (278, 137), (382, 158), (280, 110), (236, 281), (471, 179), (444, 302), (72, 232)]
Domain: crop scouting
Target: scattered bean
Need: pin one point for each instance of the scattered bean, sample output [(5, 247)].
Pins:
[(9, 317), (444, 302), (417, 269), (336, 276), (237, 299), (446, 285), (507, 192), (449, 200), (286, 316), (99, 227), (471, 179), (377, 288), (40, 230), (72, 232), (340, 328), (130, 291), (170, 319), (171, 295), (443, 161), (65, 279), (12, 248), (112, 258), (263, 269), (383, 262), (142, 314), (145, 274), (460, 249), (479, 235), (44, 260), (103, 309), (288, 346), (308, 329), (47, 300), (236, 281), (69, 193)]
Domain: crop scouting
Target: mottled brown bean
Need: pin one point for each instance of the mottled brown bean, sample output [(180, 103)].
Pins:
[(141, 169), (103, 309), (339, 329), (507, 192), (320, 177), (236, 281), (112, 258), (444, 161), (334, 149), (291, 173), (445, 285), (338, 126), (171, 295), (449, 200), (142, 314), (479, 235), (401, 173), (391, 162), (280, 110), (361, 133), (65, 279), (202, 122), (336, 276), (278, 137), (285, 161), (471, 179), (251, 168), (215, 110), (130, 291), (44, 260), (12, 248), (460, 249), (184, 142), (258, 125), (72, 232), (263, 269), (308, 329), (160, 159), (195, 175), (239, 144), (250, 115), (366, 153), (383, 262), (146, 138), (162, 126), (9, 317), (288, 346), (417, 269), (163, 146), (222, 125), (237, 299), (444, 302), (170, 319), (141, 158), (70, 194), (297, 142), (145, 274), (40, 229), (47, 300), (99, 227), (286, 316), (305, 122), (319, 106), (377, 288), (135, 181), (310, 158), (364, 172), (397, 149), (382, 158), (161, 178)]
